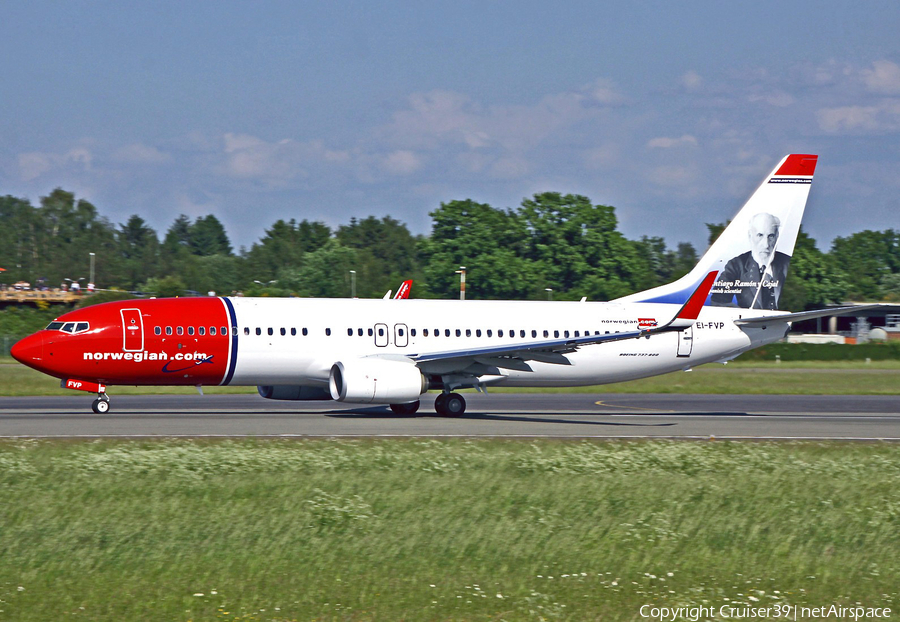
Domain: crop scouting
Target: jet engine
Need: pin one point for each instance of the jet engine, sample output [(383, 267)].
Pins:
[(293, 392), (376, 381)]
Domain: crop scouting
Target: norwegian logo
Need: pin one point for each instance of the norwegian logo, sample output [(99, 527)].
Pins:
[(646, 322)]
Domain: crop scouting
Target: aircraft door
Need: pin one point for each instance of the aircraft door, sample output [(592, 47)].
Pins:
[(686, 341), (132, 330), (381, 335), (401, 335)]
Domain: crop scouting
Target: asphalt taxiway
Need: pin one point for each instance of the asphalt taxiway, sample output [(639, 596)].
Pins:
[(495, 415)]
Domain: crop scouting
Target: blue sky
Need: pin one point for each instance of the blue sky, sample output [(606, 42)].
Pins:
[(671, 112)]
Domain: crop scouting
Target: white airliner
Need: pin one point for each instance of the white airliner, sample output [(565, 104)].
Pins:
[(379, 352)]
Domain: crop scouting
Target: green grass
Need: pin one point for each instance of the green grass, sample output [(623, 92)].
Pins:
[(429, 530), (802, 378)]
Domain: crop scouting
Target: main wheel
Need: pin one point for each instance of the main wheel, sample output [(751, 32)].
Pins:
[(439, 404), (100, 406), (454, 405), (407, 409)]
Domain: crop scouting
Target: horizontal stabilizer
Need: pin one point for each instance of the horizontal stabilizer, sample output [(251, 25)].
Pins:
[(808, 315)]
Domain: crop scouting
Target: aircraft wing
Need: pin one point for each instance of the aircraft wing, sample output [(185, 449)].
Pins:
[(552, 351), (808, 315)]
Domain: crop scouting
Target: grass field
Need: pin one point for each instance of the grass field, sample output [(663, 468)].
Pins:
[(428, 530), (804, 378)]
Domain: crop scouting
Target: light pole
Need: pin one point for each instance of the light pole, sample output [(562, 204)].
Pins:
[(462, 282), (92, 269), (549, 291), (353, 283)]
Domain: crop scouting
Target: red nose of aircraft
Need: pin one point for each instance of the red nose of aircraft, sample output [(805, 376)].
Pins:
[(30, 350)]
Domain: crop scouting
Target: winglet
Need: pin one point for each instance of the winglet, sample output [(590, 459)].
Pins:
[(403, 290), (691, 309)]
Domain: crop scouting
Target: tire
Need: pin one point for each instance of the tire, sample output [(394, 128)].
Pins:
[(100, 406), (440, 404), (407, 409), (454, 405)]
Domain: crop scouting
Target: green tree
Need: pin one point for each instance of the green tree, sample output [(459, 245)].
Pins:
[(385, 253), (207, 237)]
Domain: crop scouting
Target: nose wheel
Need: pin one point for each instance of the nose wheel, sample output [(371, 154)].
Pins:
[(450, 404), (101, 404)]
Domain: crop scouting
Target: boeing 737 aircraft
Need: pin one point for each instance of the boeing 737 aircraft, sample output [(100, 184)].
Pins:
[(380, 352)]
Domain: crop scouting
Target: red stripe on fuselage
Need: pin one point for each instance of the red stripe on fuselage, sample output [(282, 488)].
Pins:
[(100, 355)]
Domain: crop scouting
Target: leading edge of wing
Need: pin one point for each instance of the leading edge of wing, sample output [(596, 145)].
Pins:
[(682, 320)]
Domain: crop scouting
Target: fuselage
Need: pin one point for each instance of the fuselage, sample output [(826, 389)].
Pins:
[(296, 341)]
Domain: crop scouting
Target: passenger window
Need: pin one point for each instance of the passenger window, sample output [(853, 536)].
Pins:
[(400, 332), (258, 331), (412, 332), (534, 333), (201, 331), (359, 332), (212, 331), (305, 332), (446, 332), (458, 333), (371, 332), (490, 333), (381, 332), (270, 331), (512, 334), (546, 333), (168, 330), (246, 330), (556, 334), (478, 332), (283, 332), (293, 332), (500, 333), (566, 334), (225, 330), (179, 330), (349, 332), (190, 330), (521, 333), (468, 332), (424, 332), (328, 332), (157, 330)]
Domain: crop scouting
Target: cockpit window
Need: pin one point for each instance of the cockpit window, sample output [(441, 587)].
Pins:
[(69, 327)]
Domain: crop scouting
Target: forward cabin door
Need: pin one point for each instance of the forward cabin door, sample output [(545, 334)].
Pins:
[(686, 341), (132, 330)]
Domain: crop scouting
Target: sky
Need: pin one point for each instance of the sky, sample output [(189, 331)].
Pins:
[(255, 111)]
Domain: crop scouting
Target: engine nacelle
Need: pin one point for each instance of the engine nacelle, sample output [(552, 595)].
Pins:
[(293, 392), (376, 381)]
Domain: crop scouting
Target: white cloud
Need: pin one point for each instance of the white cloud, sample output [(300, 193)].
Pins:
[(35, 164), (884, 77), (141, 154), (667, 143), (691, 80), (883, 117), (401, 162)]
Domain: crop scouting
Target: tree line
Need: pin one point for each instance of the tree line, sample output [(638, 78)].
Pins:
[(552, 244)]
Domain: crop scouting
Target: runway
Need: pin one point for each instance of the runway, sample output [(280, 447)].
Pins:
[(501, 415)]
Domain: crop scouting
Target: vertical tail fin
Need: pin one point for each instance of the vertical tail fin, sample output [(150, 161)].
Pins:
[(753, 252)]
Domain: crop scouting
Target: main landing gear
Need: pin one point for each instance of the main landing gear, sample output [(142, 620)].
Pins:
[(450, 404), (101, 404)]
